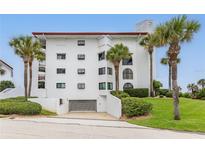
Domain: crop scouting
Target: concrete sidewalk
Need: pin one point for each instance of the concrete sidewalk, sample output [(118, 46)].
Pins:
[(82, 128)]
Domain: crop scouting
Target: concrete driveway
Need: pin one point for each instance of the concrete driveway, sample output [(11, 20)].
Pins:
[(81, 128)]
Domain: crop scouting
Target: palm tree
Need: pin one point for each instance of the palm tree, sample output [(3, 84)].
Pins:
[(2, 71), (174, 32), (165, 61), (201, 83), (27, 48), (115, 55), (193, 88), (36, 53), (149, 42)]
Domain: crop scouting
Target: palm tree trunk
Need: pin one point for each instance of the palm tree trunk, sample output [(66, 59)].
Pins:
[(25, 78), (30, 78), (175, 91), (151, 75), (170, 77), (117, 78)]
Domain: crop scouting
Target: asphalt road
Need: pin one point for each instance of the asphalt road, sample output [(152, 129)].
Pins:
[(83, 129)]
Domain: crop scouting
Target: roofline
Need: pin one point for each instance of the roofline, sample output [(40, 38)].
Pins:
[(89, 33), (6, 64)]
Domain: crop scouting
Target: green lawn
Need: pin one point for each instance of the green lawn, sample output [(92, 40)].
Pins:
[(192, 115), (22, 99)]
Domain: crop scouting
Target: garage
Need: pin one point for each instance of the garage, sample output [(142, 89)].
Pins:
[(83, 105)]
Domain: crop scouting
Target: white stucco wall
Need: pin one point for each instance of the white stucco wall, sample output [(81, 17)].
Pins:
[(91, 78)]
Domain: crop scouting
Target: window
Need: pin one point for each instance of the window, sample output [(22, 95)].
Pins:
[(81, 85), (41, 69), (127, 74), (109, 86), (102, 85), (41, 84), (81, 71), (81, 42), (127, 61), (61, 56), (60, 85), (101, 71), (109, 70), (60, 71), (41, 77), (101, 56), (128, 86), (81, 57)]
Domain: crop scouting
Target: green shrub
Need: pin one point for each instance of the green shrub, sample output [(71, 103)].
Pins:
[(186, 95), (156, 86), (138, 92), (22, 108), (121, 94), (163, 91), (161, 96), (6, 84), (203, 98), (132, 106), (200, 94), (169, 94)]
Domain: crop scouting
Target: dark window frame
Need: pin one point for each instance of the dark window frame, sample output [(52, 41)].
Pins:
[(60, 87), (81, 56), (60, 72), (80, 72), (41, 86), (109, 70), (102, 86), (101, 71), (81, 42), (61, 56), (110, 86), (127, 61), (81, 86), (128, 87), (101, 56), (128, 74)]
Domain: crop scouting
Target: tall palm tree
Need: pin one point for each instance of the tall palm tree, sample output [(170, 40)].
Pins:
[(165, 61), (149, 42), (36, 53), (115, 56), (201, 83), (2, 71), (27, 48), (172, 33)]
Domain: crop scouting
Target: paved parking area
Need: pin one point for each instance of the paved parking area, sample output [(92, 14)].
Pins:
[(56, 128)]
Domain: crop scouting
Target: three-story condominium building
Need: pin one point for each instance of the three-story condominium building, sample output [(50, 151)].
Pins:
[(76, 70)]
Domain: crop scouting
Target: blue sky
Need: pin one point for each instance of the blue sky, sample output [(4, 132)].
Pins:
[(191, 69)]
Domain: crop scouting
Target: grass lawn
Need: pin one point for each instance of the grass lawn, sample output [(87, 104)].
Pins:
[(22, 99), (192, 115)]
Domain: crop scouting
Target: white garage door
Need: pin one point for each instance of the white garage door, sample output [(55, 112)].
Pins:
[(82, 105)]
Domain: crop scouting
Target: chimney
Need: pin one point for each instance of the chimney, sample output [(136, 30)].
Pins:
[(145, 26)]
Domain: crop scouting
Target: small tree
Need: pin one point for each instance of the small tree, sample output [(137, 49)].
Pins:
[(157, 85), (193, 88), (115, 56), (201, 83)]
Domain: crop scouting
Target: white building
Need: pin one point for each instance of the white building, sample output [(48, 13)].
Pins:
[(76, 70), (8, 71)]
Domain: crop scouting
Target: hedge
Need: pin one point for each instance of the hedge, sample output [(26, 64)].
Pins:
[(6, 84), (138, 92), (121, 94), (22, 108), (132, 106)]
